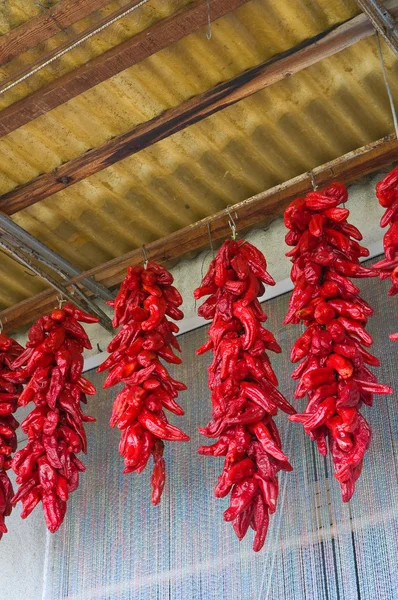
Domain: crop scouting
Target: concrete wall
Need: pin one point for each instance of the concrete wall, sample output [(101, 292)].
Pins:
[(22, 561)]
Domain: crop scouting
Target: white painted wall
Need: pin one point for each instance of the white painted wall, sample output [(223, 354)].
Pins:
[(22, 554)]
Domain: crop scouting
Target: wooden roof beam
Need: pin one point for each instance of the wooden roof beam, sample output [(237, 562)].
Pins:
[(347, 168), (50, 22), (157, 37), (192, 111)]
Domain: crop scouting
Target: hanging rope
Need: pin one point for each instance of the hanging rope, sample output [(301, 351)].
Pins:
[(144, 256), (314, 185), (231, 222), (390, 97), (209, 34)]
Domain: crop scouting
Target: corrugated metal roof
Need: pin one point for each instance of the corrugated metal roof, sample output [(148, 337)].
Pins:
[(329, 109)]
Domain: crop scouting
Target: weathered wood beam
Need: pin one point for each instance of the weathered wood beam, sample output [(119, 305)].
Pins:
[(192, 111), (347, 168), (383, 20), (45, 25), (159, 36)]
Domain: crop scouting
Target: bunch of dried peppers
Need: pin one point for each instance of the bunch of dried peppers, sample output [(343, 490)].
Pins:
[(387, 194), (145, 299), (47, 468), (333, 373), (9, 394), (242, 383)]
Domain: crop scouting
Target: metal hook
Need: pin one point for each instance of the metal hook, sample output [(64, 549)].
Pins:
[(1, 326), (209, 34), (145, 256), (210, 240), (61, 301), (231, 222), (314, 185)]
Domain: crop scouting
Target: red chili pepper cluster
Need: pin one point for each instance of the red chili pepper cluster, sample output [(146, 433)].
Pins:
[(387, 194), (47, 468), (333, 373), (9, 394), (145, 297), (242, 382)]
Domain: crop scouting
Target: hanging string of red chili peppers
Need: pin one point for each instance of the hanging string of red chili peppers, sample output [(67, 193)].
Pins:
[(242, 382), (145, 299), (333, 373), (9, 393), (387, 195), (47, 468)]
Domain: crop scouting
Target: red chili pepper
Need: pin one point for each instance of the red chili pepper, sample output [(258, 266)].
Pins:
[(242, 384), (387, 194), (9, 353), (47, 468), (146, 336), (342, 365), (324, 313), (333, 373)]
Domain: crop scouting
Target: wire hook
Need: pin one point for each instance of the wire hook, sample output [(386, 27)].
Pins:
[(145, 256), (210, 240), (209, 34), (231, 221), (314, 185), (61, 301)]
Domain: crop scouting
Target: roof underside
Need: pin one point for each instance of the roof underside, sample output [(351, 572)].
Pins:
[(335, 106)]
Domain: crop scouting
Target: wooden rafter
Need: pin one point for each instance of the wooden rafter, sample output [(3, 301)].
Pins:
[(157, 37), (192, 111), (45, 25), (270, 203)]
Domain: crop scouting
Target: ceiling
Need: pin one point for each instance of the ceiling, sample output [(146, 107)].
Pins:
[(323, 112)]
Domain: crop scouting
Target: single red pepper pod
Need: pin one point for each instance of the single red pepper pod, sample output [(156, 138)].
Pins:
[(318, 377), (329, 289), (336, 214), (324, 313), (317, 224), (336, 330), (342, 365)]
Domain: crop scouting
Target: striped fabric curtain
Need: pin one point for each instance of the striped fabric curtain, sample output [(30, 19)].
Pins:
[(115, 545)]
